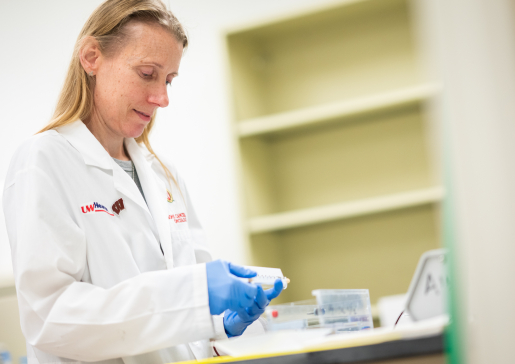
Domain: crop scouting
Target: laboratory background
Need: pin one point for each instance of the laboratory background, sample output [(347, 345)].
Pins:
[(338, 140)]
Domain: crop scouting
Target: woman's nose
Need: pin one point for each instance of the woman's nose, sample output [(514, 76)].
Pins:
[(160, 96)]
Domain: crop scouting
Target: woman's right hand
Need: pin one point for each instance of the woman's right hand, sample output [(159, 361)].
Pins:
[(235, 323), (225, 290)]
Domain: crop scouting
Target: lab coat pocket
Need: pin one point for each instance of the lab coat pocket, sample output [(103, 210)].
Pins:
[(183, 251)]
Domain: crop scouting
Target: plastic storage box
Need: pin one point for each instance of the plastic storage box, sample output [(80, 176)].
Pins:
[(340, 309), (349, 309)]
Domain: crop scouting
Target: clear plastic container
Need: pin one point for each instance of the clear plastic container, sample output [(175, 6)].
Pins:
[(345, 309), (292, 316), (342, 310)]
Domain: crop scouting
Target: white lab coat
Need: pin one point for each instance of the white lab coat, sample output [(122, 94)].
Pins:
[(94, 285)]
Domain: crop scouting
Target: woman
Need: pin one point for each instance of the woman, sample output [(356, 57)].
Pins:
[(107, 251)]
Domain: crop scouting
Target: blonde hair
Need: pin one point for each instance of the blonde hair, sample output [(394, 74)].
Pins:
[(107, 26)]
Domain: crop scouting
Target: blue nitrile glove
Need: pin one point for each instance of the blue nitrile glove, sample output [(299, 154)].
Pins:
[(235, 322), (225, 290)]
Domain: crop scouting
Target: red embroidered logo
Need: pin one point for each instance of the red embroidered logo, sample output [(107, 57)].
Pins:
[(118, 206), (178, 218), (94, 207)]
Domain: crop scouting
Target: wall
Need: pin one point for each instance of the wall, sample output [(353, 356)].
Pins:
[(194, 131)]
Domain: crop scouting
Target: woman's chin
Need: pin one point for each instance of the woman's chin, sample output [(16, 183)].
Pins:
[(135, 132)]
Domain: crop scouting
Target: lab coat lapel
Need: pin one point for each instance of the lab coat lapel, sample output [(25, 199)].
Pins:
[(125, 185), (94, 154), (155, 194)]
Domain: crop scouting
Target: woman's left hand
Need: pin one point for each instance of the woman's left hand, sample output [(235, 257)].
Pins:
[(235, 322)]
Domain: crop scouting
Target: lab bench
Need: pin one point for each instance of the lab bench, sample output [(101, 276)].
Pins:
[(426, 350)]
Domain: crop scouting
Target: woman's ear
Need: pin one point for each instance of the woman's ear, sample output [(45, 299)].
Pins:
[(90, 55)]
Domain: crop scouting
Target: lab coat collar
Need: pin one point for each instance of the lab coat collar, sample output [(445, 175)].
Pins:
[(88, 146), (94, 154)]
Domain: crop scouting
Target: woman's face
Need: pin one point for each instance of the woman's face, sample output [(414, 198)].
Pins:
[(132, 83)]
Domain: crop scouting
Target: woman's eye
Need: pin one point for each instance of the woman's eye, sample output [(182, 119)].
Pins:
[(168, 83), (147, 72)]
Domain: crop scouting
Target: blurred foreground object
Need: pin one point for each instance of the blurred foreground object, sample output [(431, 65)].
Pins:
[(473, 43)]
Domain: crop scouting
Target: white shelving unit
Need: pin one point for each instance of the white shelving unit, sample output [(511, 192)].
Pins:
[(330, 121), (337, 111), (344, 210)]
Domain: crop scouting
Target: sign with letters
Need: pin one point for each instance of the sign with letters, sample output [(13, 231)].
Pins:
[(427, 293)]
